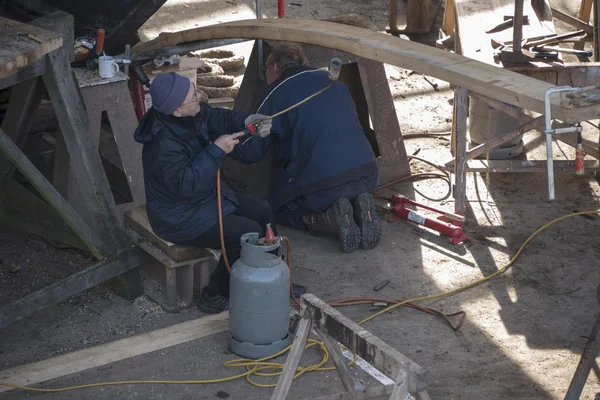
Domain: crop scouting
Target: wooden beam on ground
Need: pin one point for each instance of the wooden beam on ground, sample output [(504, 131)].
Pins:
[(360, 341), (46, 190), (368, 393), (24, 100), (574, 22), (70, 111), (473, 75), (72, 285), (97, 356), (23, 44)]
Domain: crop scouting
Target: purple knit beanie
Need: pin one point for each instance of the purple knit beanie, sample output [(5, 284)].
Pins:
[(168, 92)]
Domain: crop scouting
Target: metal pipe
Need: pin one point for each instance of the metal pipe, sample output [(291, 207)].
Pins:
[(549, 132), (281, 8), (259, 44)]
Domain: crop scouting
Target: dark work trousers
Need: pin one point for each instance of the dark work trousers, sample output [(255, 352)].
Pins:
[(291, 213), (251, 215)]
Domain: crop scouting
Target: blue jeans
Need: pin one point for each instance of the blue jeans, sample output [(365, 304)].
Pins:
[(291, 214)]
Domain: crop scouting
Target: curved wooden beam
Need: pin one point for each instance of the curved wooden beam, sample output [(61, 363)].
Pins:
[(491, 81)]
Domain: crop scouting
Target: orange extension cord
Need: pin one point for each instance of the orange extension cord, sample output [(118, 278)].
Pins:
[(343, 302)]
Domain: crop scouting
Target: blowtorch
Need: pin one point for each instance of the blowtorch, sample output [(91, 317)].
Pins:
[(334, 73)]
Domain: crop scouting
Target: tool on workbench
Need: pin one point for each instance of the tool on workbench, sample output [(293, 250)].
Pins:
[(548, 49), (554, 39), (451, 229), (92, 60), (508, 22), (515, 55), (334, 73)]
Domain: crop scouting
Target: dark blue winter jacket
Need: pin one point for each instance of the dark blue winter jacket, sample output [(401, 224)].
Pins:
[(320, 143), (180, 169)]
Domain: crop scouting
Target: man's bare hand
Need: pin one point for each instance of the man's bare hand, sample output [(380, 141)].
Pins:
[(228, 142)]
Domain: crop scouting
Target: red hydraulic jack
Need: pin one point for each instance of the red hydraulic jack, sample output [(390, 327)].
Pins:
[(452, 229)]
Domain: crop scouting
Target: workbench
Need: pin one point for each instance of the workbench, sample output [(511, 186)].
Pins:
[(35, 58)]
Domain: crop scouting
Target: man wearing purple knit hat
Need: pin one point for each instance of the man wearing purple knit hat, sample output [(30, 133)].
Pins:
[(185, 142)]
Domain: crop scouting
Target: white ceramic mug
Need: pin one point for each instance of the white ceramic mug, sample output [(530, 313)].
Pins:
[(107, 67)]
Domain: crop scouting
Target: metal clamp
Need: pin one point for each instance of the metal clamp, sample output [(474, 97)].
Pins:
[(549, 131)]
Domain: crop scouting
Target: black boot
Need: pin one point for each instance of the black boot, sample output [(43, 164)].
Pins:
[(338, 220), (213, 301), (365, 215)]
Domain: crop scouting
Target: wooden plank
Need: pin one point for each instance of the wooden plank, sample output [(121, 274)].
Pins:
[(137, 219), (85, 158), (293, 359), (72, 285), (54, 198), (19, 45), (123, 349), (460, 183), (381, 391), (574, 22), (479, 77), (360, 341), (24, 100), (348, 379)]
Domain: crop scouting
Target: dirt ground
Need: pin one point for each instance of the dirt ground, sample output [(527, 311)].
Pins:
[(523, 332)]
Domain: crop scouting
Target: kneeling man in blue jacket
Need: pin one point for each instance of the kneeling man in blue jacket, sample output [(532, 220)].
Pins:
[(327, 166), (185, 142)]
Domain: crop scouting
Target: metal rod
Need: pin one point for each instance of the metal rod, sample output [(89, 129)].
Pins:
[(518, 26), (259, 43)]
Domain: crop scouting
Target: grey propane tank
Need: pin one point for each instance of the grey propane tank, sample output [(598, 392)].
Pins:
[(259, 300)]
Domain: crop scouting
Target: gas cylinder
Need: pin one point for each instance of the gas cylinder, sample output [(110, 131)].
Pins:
[(259, 300)]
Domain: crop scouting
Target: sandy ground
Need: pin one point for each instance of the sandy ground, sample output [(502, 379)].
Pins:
[(523, 332)]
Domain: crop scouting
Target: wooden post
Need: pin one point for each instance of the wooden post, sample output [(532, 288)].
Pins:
[(24, 100), (460, 190), (70, 112), (596, 30)]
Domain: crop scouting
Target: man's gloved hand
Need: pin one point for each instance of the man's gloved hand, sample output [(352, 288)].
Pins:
[(264, 128)]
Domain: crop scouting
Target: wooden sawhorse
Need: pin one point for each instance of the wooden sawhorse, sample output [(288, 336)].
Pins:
[(333, 327), (35, 56)]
